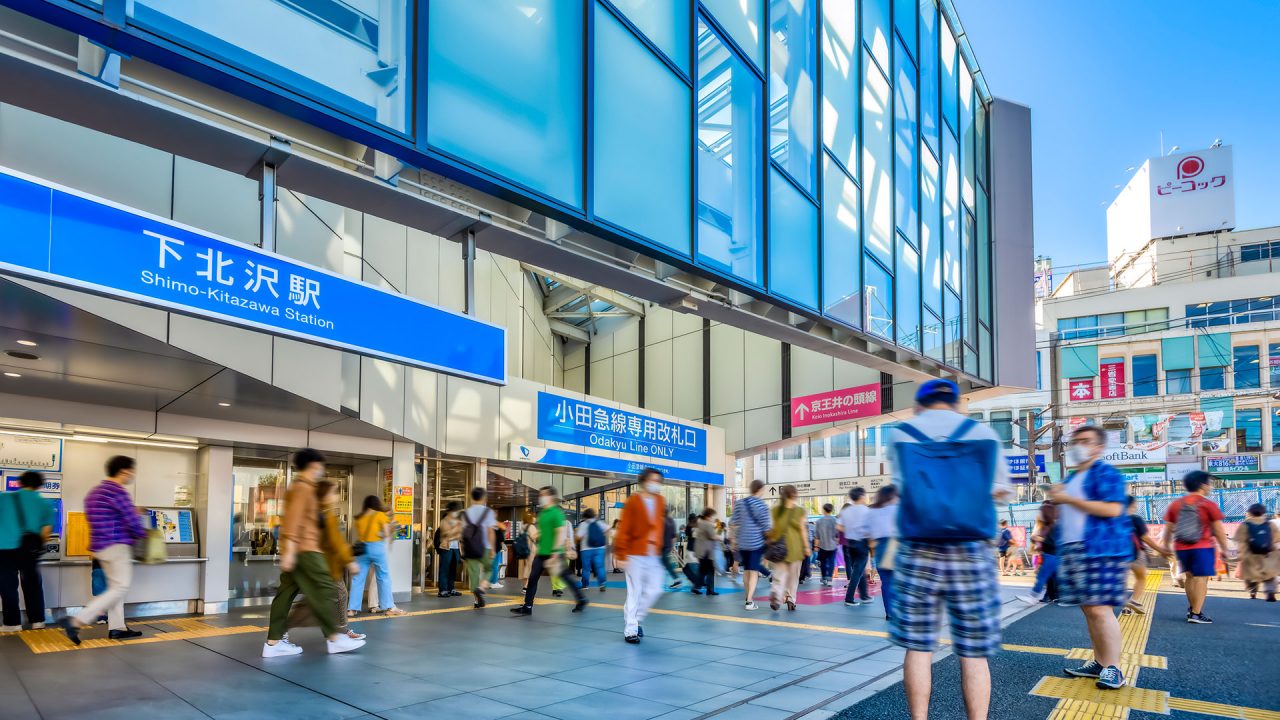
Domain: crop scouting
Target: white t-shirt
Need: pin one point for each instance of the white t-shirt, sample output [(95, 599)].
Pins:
[(1070, 518), (882, 522), (585, 526), (483, 516), (854, 521)]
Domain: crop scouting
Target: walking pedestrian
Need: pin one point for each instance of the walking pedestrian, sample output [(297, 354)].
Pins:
[(1045, 534), (303, 567), (882, 530), (853, 524), (750, 522), (593, 537), (1192, 524), (612, 560), (553, 542), (477, 543), (1141, 542), (25, 527), (339, 557), (372, 528), (949, 475), (788, 528), (1095, 549), (638, 547), (500, 555), (114, 526), (708, 547), (826, 541), (523, 547), (806, 563), (449, 536), (669, 545), (1259, 544), (1003, 546)]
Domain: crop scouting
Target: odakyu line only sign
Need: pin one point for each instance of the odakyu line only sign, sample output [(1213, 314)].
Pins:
[(68, 238), (578, 422)]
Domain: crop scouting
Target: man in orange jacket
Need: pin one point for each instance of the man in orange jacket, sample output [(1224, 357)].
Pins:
[(638, 550)]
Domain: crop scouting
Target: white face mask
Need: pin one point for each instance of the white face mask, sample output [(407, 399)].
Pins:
[(1078, 454), (544, 501), (653, 487)]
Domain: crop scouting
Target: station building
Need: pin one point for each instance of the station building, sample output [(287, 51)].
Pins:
[(499, 244)]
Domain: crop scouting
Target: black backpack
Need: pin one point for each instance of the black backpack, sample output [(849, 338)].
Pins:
[(1260, 539), (473, 545), (521, 544)]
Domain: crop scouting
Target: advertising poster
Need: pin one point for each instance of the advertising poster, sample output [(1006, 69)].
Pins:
[(403, 500), (1079, 390), (1112, 376), (836, 406)]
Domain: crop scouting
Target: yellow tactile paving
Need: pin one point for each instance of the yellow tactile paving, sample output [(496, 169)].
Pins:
[(1083, 689), (1156, 662), (1220, 710)]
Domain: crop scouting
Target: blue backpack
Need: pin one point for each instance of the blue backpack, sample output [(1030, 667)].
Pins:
[(946, 486), (595, 535)]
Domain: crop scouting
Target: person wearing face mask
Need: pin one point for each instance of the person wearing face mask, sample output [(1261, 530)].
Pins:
[(114, 526), (553, 540), (1095, 547), (638, 548)]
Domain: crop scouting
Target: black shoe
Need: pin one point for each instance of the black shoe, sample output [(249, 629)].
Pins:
[(639, 631), (125, 634), (695, 591), (1199, 619), (675, 585), (632, 639), (1271, 597), (479, 598), (601, 588), (522, 610), (1091, 669), (557, 593), (454, 593), (443, 594), (577, 607), (1253, 594), (711, 593), (69, 627)]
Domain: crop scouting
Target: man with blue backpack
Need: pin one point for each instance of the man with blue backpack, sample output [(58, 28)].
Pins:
[(592, 535), (951, 475), (1095, 547)]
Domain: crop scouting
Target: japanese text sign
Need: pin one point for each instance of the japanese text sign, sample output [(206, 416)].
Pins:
[(577, 422), (1231, 463), (837, 405), (1112, 377), (63, 237), (1080, 390)]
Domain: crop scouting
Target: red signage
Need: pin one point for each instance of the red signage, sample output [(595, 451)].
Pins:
[(1080, 390), (1112, 374), (837, 405)]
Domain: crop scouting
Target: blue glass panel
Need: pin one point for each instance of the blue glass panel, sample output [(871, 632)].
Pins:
[(877, 163), (792, 90), (353, 56), (876, 31), (1145, 377), (908, 299), (904, 21), (929, 74), (841, 245), (951, 329), (840, 80), (932, 335), (730, 138), (905, 132), (743, 20), (931, 230), (980, 141), (985, 351), (793, 243), (950, 212), (949, 55), (1245, 362), (879, 300), (643, 130), (967, 164), (1213, 378), (504, 90), (665, 23), (983, 241), (969, 276)]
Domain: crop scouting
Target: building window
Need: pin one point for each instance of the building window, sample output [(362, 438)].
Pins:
[(879, 299), (742, 19), (1145, 382), (908, 310), (1213, 378), (1002, 424), (1260, 251), (1137, 322), (841, 87), (792, 80), (877, 162), (791, 452), (931, 230), (906, 132), (929, 71), (1039, 378), (817, 448), (1233, 312), (1177, 382), (1275, 428), (841, 245), (666, 24), (729, 173), (840, 445), (793, 242), (1273, 364), (1249, 430), (1245, 366)]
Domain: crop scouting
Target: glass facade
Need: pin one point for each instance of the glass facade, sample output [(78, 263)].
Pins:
[(828, 154)]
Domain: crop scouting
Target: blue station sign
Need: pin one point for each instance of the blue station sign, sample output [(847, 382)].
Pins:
[(71, 239), (577, 422), (1018, 464), (617, 466)]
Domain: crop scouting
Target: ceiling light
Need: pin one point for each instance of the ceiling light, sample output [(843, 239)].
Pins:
[(28, 343), (224, 404), (12, 374)]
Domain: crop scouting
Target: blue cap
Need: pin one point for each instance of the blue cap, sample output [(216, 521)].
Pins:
[(938, 391)]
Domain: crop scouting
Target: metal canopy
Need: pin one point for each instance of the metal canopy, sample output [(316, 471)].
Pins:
[(572, 306)]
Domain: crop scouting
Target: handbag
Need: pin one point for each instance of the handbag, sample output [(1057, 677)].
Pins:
[(150, 549), (31, 543), (358, 548)]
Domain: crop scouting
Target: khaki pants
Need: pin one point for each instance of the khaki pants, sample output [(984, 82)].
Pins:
[(117, 565), (786, 579), (310, 576), (478, 570), (301, 614)]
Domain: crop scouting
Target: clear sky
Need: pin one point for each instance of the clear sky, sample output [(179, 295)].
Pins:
[(1104, 77)]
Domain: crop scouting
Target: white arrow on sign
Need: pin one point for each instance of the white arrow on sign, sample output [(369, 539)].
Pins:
[(801, 409)]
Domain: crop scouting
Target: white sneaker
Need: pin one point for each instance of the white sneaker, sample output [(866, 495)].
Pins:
[(1031, 598), (280, 649), (37, 626), (495, 586), (750, 606), (343, 644), (10, 628)]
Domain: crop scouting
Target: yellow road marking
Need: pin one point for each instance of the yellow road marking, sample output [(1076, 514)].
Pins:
[(1220, 710)]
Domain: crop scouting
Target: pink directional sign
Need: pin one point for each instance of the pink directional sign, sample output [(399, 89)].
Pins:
[(837, 405)]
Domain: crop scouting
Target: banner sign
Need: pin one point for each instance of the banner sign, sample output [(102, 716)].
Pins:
[(1079, 390), (578, 422), (836, 406), (1134, 455), (1112, 376), (1154, 474), (30, 452), (1223, 464), (71, 239), (1018, 464), (600, 463)]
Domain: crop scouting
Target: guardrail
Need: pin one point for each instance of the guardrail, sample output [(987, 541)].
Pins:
[(1233, 501)]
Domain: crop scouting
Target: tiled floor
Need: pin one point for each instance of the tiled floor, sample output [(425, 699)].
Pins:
[(481, 665)]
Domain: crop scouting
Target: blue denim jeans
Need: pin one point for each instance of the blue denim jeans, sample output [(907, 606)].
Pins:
[(1048, 566), (375, 554), (497, 566), (592, 563), (886, 576)]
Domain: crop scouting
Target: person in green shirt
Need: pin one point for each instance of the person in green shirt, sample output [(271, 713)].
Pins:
[(24, 513), (553, 543)]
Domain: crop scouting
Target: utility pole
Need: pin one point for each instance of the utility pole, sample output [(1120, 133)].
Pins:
[(1033, 436), (1055, 394)]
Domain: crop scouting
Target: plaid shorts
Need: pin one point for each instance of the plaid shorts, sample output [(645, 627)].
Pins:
[(963, 575), (1083, 580)]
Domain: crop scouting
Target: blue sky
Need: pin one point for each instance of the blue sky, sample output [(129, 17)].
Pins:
[(1104, 77)]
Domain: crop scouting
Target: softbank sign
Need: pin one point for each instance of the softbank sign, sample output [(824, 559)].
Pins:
[(1192, 192)]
